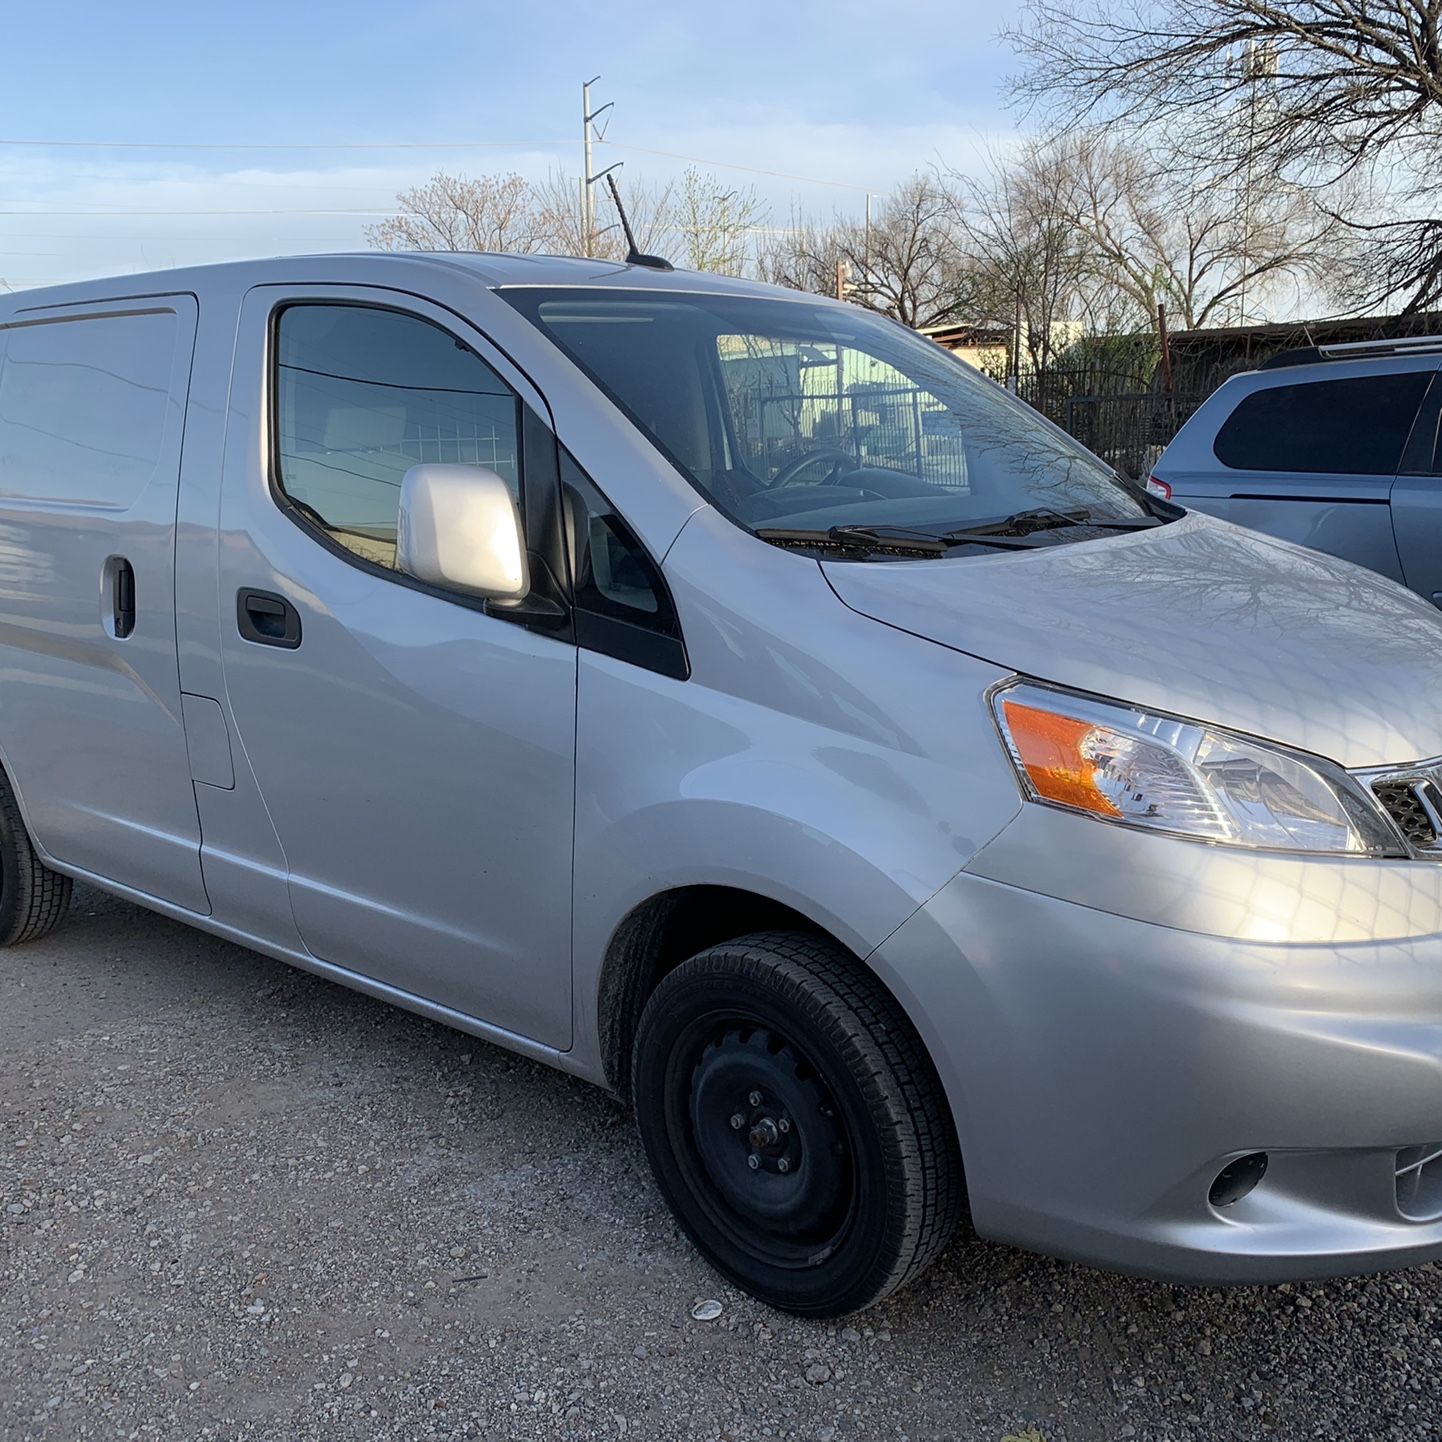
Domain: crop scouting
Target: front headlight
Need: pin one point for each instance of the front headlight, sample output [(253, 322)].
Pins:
[(1140, 768)]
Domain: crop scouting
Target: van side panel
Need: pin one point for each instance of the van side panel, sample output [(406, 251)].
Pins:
[(92, 414)]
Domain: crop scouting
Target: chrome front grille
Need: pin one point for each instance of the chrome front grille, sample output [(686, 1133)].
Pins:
[(1412, 798), (1402, 801)]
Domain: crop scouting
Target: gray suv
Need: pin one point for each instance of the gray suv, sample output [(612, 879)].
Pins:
[(1334, 447)]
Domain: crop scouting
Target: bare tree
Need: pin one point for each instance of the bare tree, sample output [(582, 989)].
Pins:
[(909, 263), (449, 212), (713, 225), (806, 255), (558, 200), (1035, 273), (1209, 245), (1324, 88), (716, 224)]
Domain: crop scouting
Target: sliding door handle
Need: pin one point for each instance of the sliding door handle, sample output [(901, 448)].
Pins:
[(267, 619), (122, 596)]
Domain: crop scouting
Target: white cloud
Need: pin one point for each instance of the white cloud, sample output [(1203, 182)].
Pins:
[(66, 215)]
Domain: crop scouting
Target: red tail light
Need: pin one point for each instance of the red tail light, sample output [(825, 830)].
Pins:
[(1159, 488)]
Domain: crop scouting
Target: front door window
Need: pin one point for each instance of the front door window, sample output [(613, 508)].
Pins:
[(362, 395)]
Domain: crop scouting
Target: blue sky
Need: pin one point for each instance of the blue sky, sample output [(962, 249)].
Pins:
[(858, 95)]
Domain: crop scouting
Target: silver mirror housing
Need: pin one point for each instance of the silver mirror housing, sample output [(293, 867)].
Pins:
[(459, 528)]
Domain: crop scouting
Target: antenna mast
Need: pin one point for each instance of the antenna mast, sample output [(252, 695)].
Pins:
[(633, 256)]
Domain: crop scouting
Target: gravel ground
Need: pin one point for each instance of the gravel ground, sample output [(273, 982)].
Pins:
[(240, 1202)]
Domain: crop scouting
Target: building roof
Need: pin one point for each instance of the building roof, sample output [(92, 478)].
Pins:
[(966, 333), (1327, 331)]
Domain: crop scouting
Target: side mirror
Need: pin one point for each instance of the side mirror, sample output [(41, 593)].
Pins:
[(459, 528)]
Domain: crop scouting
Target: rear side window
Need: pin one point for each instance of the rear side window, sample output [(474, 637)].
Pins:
[(84, 406), (1356, 426), (364, 394)]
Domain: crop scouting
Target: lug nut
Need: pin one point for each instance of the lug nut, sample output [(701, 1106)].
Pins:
[(784, 1125), (737, 1121), (782, 1164), (753, 1161), (754, 1099)]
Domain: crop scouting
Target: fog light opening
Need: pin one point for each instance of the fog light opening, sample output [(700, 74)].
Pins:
[(1237, 1178)]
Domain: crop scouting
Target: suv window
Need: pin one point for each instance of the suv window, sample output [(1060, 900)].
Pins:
[(362, 395), (1353, 426)]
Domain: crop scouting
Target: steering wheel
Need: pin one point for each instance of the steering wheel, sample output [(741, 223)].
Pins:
[(788, 473)]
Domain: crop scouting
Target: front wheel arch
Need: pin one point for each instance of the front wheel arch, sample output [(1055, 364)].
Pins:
[(663, 931)]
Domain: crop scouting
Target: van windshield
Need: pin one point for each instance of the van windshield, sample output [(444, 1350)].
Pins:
[(792, 414)]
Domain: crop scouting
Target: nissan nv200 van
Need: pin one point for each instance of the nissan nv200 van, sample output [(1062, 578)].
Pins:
[(726, 696)]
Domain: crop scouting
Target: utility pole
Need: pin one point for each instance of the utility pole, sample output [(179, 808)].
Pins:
[(1258, 64), (1013, 383), (1169, 382), (588, 174)]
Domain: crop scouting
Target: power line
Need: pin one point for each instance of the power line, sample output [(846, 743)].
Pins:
[(550, 145), (135, 235), (283, 180), (287, 145), (107, 212), (728, 165)]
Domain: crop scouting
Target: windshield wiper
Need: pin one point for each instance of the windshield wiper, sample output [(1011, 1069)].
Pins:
[(860, 538), (1019, 527), (1011, 533)]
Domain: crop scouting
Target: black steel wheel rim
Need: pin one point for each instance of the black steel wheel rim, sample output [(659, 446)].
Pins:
[(765, 1149)]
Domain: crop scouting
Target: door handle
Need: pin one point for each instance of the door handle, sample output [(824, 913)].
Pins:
[(267, 619), (122, 596)]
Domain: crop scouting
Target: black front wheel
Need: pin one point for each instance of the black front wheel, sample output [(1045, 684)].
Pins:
[(795, 1124)]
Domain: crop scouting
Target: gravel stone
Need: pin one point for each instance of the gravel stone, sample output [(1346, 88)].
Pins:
[(240, 1204)]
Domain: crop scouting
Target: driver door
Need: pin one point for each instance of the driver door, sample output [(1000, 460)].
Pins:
[(415, 749)]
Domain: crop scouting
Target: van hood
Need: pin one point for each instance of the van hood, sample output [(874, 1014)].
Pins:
[(1197, 617)]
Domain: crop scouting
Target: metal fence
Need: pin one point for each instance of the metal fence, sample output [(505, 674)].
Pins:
[(895, 426), (1124, 417)]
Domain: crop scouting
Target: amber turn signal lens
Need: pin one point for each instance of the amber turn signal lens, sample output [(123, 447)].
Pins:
[(1052, 752)]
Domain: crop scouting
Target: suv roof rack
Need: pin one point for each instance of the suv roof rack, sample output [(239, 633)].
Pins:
[(1352, 350)]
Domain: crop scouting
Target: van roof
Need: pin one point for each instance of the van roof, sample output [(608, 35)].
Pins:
[(495, 271)]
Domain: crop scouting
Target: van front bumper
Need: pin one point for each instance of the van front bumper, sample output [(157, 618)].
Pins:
[(1103, 1068)]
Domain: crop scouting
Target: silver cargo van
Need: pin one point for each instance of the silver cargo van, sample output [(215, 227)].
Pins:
[(725, 695)]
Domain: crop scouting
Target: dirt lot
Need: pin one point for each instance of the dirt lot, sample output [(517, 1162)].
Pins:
[(238, 1202)]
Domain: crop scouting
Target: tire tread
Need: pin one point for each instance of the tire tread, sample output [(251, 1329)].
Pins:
[(870, 1030), (40, 897)]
